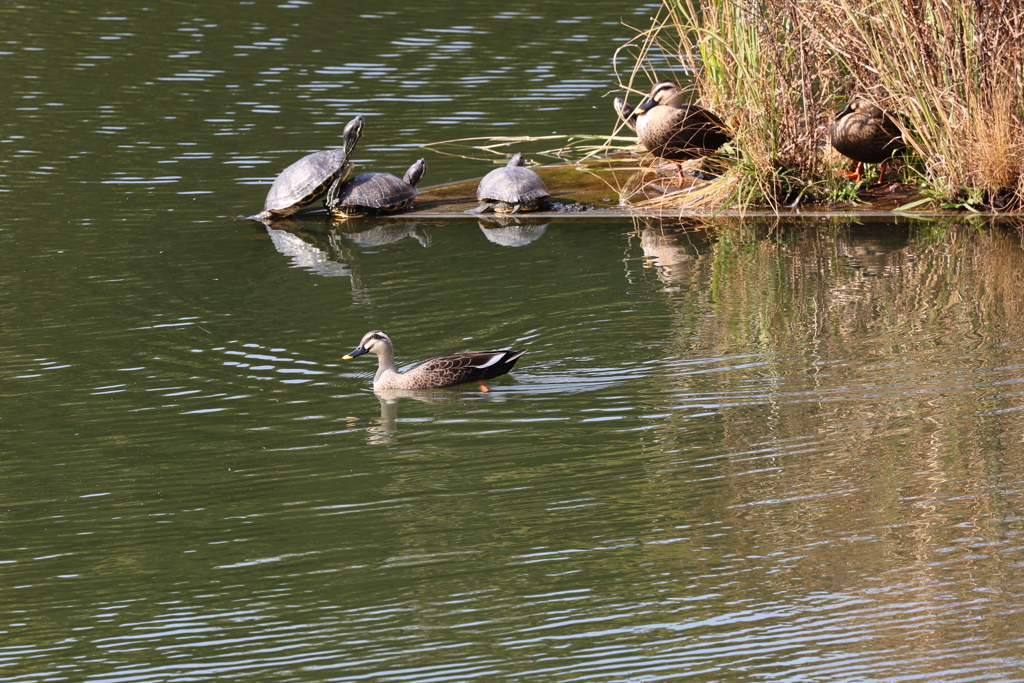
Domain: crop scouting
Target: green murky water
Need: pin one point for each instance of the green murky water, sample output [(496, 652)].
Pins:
[(735, 451)]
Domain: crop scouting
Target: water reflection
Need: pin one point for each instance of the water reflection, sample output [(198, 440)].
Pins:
[(329, 248), (672, 246), (386, 233), (512, 231), (319, 253), (867, 251), (387, 426), (742, 438)]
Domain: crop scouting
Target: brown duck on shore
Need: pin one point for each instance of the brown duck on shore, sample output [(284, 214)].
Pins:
[(867, 135), (671, 128)]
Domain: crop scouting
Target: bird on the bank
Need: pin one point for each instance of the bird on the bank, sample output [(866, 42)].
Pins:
[(433, 373), (671, 128), (866, 134)]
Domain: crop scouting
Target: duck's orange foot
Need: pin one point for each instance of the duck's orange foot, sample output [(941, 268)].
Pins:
[(854, 175), (483, 387)]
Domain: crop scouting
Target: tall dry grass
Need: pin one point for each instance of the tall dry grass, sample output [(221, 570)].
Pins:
[(776, 70)]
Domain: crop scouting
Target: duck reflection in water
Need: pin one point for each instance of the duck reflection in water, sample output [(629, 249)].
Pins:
[(385, 427), (672, 248), (869, 251)]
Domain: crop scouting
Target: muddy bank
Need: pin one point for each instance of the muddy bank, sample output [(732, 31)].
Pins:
[(613, 187)]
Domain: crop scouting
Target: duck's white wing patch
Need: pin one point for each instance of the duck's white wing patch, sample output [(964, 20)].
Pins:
[(490, 361)]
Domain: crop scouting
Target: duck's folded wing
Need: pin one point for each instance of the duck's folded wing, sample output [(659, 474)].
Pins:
[(466, 367)]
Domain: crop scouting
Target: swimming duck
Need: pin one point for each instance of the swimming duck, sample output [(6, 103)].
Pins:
[(433, 373), (867, 135), (671, 128)]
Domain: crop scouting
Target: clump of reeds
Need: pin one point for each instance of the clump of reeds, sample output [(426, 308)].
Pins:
[(951, 73), (954, 72)]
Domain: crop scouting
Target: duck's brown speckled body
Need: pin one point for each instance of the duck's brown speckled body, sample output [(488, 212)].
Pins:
[(433, 373), (866, 134), (671, 128)]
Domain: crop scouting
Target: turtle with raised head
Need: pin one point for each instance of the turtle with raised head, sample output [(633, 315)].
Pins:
[(310, 178), (511, 189), (374, 193)]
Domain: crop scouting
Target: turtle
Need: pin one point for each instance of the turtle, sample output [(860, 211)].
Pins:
[(373, 193), (312, 176), (511, 189)]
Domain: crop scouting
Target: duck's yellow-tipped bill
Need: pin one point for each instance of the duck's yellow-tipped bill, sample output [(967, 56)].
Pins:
[(355, 352)]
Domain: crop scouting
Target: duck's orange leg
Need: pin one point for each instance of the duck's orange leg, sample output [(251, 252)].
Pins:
[(483, 387), (881, 171), (854, 175)]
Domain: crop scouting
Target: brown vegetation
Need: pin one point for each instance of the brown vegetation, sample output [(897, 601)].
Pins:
[(951, 73)]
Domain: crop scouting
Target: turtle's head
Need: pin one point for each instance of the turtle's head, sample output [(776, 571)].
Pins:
[(415, 172), (353, 131)]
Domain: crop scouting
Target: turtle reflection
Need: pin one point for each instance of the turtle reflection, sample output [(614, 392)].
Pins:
[(512, 231), (383, 233), (333, 253)]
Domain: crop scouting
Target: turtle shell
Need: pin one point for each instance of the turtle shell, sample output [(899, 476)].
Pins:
[(513, 183), (376, 191), (306, 180)]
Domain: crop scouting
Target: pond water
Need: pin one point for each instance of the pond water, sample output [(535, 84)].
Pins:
[(734, 450)]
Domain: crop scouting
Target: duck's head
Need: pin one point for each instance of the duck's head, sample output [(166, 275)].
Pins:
[(665, 93), (862, 107), (374, 341)]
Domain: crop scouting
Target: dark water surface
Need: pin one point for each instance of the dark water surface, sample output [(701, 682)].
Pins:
[(735, 451)]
